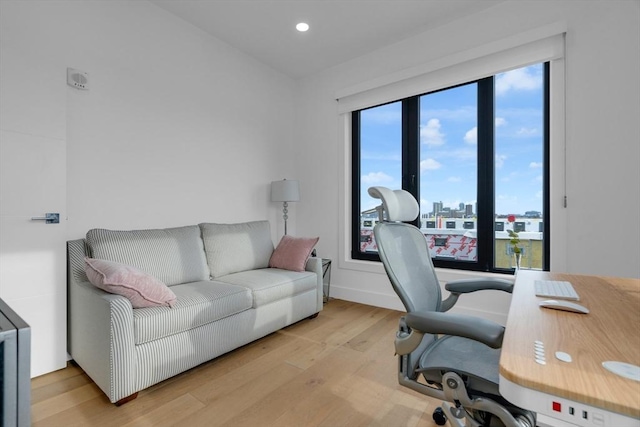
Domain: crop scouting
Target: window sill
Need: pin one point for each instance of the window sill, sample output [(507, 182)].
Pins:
[(444, 274)]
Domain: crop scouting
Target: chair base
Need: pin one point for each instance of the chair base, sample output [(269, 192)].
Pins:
[(459, 418)]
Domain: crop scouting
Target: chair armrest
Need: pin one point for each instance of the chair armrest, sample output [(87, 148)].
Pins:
[(475, 328), (465, 286)]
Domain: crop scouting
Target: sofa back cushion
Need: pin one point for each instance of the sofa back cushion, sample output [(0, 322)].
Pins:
[(172, 255), (232, 248)]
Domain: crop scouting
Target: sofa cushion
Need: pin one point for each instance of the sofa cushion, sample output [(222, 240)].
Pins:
[(231, 248), (198, 303), (272, 284), (292, 253), (173, 255), (138, 287)]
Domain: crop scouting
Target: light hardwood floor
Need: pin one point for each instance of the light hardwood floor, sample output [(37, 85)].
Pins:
[(336, 370)]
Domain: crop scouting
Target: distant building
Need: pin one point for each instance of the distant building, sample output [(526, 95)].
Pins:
[(437, 208), (468, 211)]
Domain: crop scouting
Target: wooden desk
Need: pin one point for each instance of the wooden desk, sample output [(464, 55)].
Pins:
[(611, 331)]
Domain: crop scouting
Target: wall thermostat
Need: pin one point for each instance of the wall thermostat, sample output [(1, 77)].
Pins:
[(78, 79)]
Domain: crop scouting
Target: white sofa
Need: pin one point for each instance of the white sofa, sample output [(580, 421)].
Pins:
[(226, 297)]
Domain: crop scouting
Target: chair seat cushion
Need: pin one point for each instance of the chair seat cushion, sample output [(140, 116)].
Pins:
[(197, 303), (272, 284), (473, 359)]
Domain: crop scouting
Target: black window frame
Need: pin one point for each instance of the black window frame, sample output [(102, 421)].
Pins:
[(486, 218)]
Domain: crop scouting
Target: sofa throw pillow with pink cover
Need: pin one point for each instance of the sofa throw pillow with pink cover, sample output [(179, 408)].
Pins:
[(137, 286), (292, 253)]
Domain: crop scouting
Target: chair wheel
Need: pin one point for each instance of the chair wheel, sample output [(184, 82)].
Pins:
[(438, 417)]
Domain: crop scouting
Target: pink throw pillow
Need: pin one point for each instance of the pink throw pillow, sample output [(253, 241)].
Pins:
[(292, 253), (137, 286)]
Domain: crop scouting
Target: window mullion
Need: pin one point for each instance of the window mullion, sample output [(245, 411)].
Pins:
[(546, 208), (486, 162), (355, 185), (411, 148)]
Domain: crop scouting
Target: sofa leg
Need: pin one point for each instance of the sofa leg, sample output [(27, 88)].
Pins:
[(313, 316), (126, 399)]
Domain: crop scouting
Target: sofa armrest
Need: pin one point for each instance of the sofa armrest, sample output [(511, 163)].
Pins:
[(101, 338), (315, 265)]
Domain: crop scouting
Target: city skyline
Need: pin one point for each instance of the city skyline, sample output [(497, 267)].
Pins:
[(448, 145)]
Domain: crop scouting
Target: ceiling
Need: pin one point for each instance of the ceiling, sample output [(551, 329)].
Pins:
[(340, 29)]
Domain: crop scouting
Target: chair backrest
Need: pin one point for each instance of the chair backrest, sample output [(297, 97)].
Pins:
[(404, 252)]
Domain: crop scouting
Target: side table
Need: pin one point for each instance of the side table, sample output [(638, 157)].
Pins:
[(326, 278)]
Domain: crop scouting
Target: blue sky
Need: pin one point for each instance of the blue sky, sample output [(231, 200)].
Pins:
[(448, 145)]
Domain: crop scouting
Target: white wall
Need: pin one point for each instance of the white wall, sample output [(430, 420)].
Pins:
[(603, 140), (177, 127)]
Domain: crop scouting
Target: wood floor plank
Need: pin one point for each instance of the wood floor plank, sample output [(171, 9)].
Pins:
[(336, 370), (304, 387), (404, 409), (70, 371), (223, 405), (374, 333), (168, 414), (56, 388), (63, 401)]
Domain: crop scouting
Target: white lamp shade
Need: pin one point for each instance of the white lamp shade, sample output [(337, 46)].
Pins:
[(287, 190)]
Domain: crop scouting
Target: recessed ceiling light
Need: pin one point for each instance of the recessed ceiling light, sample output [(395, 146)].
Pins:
[(302, 27)]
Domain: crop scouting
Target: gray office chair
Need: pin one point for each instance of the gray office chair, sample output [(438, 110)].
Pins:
[(448, 356)]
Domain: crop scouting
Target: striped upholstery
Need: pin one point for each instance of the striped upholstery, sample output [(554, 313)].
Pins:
[(272, 284), (198, 345), (172, 255), (198, 303), (77, 250), (125, 350), (237, 247)]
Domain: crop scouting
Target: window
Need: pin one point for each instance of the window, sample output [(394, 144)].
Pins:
[(472, 155)]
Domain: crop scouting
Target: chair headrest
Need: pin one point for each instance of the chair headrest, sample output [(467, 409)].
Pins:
[(399, 204)]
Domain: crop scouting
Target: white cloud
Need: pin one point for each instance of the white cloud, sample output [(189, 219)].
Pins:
[(429, 165), (535, 165), (454, 179), (431, 135), (527, 131), (538, 178), (500, 158), (471, 137), (376, 178), (520, 79)]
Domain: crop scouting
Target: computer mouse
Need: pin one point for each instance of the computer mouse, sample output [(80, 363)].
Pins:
[(564, 306)]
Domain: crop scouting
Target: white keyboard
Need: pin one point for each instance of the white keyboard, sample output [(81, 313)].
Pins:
[(556, 289)]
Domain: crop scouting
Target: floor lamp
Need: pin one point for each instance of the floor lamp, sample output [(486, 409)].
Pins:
[(285, 191)]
